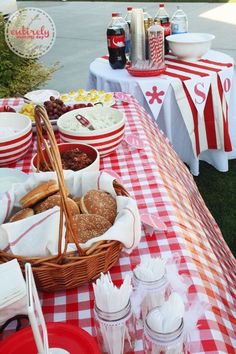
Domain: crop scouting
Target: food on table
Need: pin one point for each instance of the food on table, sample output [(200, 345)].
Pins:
[(6, 109), (28, 110), (22, 214), (74, 160), (39, 193), (87, 226), (77, 200), (92, 214), (94, 96), (99, 117), (55, 200), (54, 107), (100, 203), (7, 131)]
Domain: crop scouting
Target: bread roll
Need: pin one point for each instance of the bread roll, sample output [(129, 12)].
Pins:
[(99, 203), (54, 200), (39, 193), (22, 214), (87, 226)]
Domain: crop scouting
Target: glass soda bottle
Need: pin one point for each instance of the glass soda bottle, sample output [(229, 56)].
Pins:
[(116, 42), (162, 18), (179, 22)]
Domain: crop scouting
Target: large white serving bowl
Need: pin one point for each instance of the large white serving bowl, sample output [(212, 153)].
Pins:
[(105, 140), (190, 46), (14, 147)]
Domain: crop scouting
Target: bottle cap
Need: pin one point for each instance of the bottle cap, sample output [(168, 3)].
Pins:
[(129, 8), (162, 4), (115, 14)]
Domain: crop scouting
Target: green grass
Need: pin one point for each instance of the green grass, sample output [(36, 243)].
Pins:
[(218, 190)]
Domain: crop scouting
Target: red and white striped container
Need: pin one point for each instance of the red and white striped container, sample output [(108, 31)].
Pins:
[(16, 145), (105, 140), (156, 45)]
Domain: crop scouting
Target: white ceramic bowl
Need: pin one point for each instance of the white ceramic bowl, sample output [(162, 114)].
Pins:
[(190, 46), (104, 140), (14, 147), (40, 96), (90, 151)]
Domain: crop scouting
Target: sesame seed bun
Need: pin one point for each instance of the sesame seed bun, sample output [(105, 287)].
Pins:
[(99, 203), (54, 200), (87, 226)]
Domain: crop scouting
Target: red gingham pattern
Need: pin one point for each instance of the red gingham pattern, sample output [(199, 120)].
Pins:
[(162, 184)]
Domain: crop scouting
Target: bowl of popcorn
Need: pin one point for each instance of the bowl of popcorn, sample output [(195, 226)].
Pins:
[(101, 127), (15, 137)]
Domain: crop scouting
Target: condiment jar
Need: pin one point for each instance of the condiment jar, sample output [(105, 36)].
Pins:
[(115, 330), (163, 343), (154, 293)]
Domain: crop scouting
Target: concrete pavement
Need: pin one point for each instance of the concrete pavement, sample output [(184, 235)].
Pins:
[(81, 32)]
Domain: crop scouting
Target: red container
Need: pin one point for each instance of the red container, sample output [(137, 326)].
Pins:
[(60, 335)]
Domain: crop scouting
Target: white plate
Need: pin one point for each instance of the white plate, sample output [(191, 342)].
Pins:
[(8, 176), (40, 96)]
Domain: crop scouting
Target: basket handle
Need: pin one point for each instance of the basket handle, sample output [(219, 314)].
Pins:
[(55, 161)]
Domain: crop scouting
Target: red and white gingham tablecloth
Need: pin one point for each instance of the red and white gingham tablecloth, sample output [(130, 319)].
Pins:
[(161, 184)]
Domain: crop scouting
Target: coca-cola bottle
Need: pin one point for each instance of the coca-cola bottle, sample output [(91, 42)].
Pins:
[(162, 18), (116, 42)]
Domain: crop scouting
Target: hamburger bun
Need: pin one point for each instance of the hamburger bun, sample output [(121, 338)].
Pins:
[(99, 203), (22, 214), (87, 226), (54, 200), (39, 193)]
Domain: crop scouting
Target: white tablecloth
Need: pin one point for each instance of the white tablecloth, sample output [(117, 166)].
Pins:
[(170, 120)]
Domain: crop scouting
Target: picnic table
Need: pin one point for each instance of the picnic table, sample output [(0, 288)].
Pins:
[(161, 184)]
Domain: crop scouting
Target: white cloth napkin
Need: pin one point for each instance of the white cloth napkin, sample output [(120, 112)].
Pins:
[(12, 291), (34, 236), (38, 235)]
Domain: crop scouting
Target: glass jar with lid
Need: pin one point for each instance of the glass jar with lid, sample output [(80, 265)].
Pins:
[(115, 330)]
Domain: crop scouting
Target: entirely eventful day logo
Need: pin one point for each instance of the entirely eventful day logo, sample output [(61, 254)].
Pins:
[(30, 32)]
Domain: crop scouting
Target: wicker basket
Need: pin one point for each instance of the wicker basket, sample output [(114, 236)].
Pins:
[(66, 270)]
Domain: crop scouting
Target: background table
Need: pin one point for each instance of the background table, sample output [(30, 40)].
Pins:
[(161, 184), (170, 120)]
